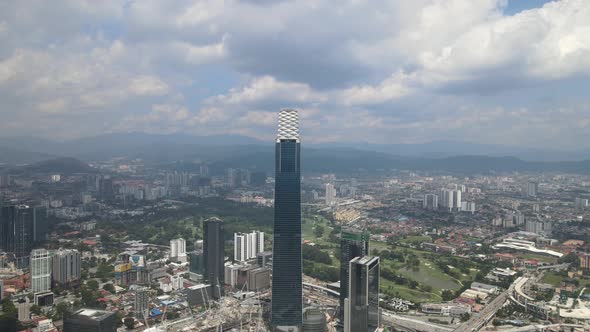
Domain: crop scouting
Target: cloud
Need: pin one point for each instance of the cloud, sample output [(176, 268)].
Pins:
[(380, 70)]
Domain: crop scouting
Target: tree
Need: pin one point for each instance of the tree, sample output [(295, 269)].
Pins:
[(35, 309), (465, 317), (120, 315), (92, 284), (447, 295), (109, 288), (129, 322), (318, 231)]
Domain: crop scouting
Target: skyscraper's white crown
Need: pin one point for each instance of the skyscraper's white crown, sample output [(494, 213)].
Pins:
[(288, 125)]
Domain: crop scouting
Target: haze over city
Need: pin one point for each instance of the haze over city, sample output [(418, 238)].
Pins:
[(295, 166)]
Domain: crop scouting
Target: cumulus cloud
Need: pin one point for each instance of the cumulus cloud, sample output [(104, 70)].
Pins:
[(360, 70)]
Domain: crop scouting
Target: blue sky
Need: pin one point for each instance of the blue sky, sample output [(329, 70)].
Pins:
[(515, 6), (510, 72)]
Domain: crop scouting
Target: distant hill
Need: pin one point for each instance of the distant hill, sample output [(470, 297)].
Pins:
[(352, 161), (62, 166), (223, 151), (16, 156)]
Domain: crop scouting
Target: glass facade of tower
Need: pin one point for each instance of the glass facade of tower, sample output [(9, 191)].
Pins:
[(362, 312), (287, 304), (213, 243), (353, 243), (17, 232)]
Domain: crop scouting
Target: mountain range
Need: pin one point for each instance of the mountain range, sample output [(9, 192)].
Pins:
[(225, 151)]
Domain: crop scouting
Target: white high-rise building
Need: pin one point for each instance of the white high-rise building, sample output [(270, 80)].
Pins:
[(450, 199), (40, 270), (540, 227), (240, 247), (532, 189), (178, 248), (330, 194), (446, 199), (457, 200), (247, 246), (430, 202), (581, 203), (66, 267)]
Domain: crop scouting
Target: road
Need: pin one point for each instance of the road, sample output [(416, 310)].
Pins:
[(477, 321), (412, 324)]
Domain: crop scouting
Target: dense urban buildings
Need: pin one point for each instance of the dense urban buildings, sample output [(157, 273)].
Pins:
[(287, 302)]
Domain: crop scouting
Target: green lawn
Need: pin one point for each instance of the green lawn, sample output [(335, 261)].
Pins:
[(415, 239), (553, 279), (428, 274), (540, 258), (308, 226)]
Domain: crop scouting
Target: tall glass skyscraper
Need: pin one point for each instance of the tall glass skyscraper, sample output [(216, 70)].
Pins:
[(362, 305), (287, 303), (213, 254), (353, 243), (17, 232)]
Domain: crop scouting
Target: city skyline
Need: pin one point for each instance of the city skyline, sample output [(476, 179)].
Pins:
[(414, 70), (295, 166)]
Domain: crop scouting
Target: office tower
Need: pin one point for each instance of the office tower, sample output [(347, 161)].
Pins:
[(287, 302), (264, 258), (232, 177), (178, 249), (66, 265), (5, 181), (353, 243), (204, 170), (17, 232), (258, 179), (40, 224), (362, 304), (314, 320), (106, 189), (141, 303), (330, 194), (213, 240), (195, 259), (40, 270), (430, 202), (91, 320), (532, 189)]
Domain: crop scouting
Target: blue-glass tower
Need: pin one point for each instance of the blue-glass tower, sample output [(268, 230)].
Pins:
[(287, 304)]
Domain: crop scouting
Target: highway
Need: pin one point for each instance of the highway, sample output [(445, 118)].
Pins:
[(477, 321), (411, 324)]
